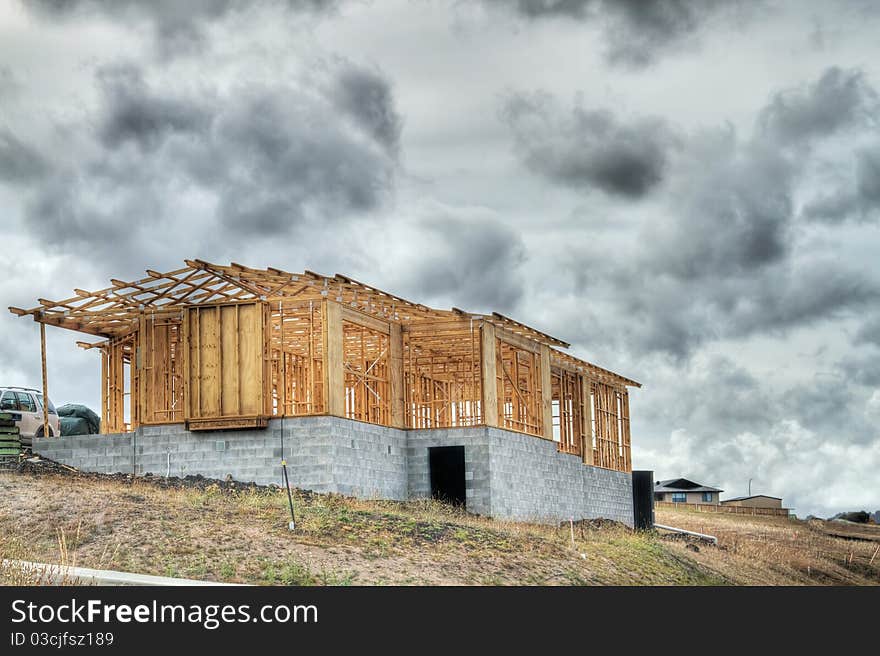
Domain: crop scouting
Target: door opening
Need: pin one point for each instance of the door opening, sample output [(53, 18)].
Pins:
[(447, 474)]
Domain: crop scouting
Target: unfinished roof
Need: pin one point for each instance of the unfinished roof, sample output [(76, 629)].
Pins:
[(113, 311)]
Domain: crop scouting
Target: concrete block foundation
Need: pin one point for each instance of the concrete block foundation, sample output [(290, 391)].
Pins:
[(508, 475)]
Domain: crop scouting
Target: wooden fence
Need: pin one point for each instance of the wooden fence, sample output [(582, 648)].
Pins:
[(711, 507)]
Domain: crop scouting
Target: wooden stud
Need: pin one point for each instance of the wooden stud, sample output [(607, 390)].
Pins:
[(45, 381), (398, 419), (334, 360), (546, 393), (489, 374)]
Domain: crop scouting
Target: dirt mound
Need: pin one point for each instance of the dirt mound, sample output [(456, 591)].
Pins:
[(40, 466)]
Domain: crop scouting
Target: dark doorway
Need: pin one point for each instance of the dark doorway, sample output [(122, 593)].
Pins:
[(447, 474), (643, 499)]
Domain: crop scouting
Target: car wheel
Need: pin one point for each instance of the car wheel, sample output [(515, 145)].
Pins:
[(39, 432)]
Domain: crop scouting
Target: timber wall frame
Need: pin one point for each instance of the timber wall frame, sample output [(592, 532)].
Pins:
[(230, 347)]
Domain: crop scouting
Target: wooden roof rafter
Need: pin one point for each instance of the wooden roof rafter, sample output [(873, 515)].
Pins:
[(114, 311), (594, 371)]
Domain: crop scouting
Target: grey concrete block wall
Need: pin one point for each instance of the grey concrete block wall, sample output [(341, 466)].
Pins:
[(508, 475), (476, 463), (532, 481), (324, 454)]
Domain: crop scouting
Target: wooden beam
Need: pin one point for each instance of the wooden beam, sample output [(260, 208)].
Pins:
[(518, 341), (587, 447), (334, 359), (488, 370), (398, 419), (546, 393), (366, 320), (45, 381)]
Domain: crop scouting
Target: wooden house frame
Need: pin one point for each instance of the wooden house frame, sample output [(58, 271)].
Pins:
[(219, 347)]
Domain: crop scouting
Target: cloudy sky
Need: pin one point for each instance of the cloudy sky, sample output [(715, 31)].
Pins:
[(688, 192)]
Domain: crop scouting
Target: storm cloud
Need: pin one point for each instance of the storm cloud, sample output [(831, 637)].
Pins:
[(266, 157), (135, 113), (178, 27), (838, 100), (858, 198), (19, 162), (637, 33), (588, 148), (721, 262), (474, 262)]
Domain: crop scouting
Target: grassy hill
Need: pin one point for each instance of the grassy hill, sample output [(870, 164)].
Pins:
[(219, 533)]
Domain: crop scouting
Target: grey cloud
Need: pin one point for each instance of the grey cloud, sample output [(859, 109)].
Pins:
[(720, 259), (76, 212), (286, 152), (366, 96), (473, 263), (19, 162), (138, 114), (547, 8), (858, 200), (636, 32), (263, 159), (9, 84), (815, 290), (178, 27), (732, 204), (869, 332), (722, 424), (589, 148), (862, 368), (828, 402), (641, 312), (839, 99)]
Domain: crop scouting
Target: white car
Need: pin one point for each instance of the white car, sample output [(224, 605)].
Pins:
[(26, 406)]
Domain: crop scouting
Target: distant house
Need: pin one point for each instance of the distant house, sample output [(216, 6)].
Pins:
[(754, 501), (681, 490)]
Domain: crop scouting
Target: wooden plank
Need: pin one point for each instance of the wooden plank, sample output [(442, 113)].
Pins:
[(45, 381), (230, 364), (488, 369), (334, 358), (226, 423), (398, 419), (209, 356), (104, 381), (250, 350)]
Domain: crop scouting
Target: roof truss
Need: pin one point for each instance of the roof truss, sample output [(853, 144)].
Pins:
[(114, 311)]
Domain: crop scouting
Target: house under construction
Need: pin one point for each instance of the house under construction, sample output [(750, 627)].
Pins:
[(216, 367)]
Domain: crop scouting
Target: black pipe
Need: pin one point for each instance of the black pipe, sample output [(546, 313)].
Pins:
[(286, 479), (289, 496)]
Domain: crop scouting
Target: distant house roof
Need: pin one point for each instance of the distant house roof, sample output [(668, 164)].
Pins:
[(753, 496), (682, 485)]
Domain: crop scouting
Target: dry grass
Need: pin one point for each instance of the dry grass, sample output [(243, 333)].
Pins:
[(780, 551), (242, 536)]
